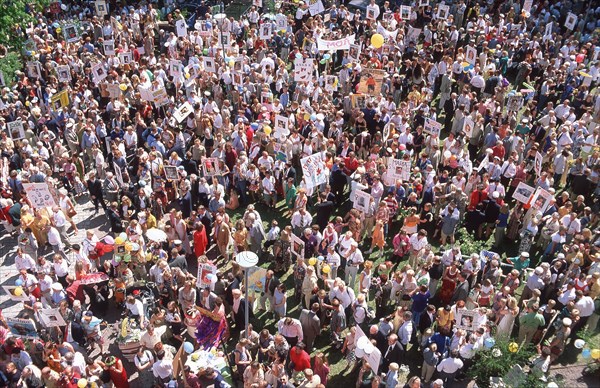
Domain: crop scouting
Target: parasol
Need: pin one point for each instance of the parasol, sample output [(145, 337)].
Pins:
[(156, 235)]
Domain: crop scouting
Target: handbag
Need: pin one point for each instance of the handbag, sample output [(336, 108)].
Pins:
[(71, 212)]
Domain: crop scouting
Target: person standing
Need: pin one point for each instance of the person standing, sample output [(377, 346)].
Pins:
[(95, 189), (118, 374), (449, 367), (354, 259), (270, 285), (311, 325), (529, 323)]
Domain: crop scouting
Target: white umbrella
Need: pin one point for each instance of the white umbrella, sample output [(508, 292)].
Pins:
[(156, 235)]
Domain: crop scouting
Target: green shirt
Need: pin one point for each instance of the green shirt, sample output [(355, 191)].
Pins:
[(520, 265), (532, 320)]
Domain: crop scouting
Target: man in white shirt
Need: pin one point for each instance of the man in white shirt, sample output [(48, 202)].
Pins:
[(353, 260), (60, 223), (135, 307), (55, 241), (269, 192), (449, 367), (150, 338), (291, 330), (572, 225), (342, 293), (333, 260), (163, 367), (24, 261), (417, 241), (301, 219)]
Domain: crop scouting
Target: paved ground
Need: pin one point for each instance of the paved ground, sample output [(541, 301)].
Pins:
[(86, 219)]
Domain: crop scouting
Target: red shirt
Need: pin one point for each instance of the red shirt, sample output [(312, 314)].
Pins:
[(499, 151), (350, 165), (476, 198), (301, 361)]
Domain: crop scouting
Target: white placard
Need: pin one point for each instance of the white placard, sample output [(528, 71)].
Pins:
[(101, 9), (99, 73), (339, 44), (523, 192), (399, 169), (281, 22), (266, 31), (468, 125), (541, 200), (471, 55), (16, 130), (209, 64), (315, 7), (39, 194), (443, 11), (432, 127), (183, 111), (371, 12), (175, 66), (314, 169), (538, 163), (126, 58), (281, 124), (571, 21), (204, 270), (109, 47), (52, 318), (63, 73), (113, 90), (181, 28), (303, 69), (362, 201)]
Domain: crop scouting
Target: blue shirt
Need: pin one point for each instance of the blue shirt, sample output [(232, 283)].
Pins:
[(502, 220), (420, 301)]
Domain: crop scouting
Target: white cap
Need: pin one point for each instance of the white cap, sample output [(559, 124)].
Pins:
[(567, 322), (525, 254), (539, 271), (495, 195)]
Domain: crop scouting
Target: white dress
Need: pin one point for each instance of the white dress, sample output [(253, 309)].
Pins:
[(506, 324)]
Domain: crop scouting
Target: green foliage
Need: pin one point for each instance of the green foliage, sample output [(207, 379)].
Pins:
[(14, 15), (469, 243), (8, 65), (486, 365)]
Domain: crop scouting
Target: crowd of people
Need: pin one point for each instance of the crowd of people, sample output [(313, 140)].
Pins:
[(202, 126)]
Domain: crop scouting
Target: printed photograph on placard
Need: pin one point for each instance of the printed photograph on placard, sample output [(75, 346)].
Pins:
[(354, 52), (371, 12), (33, 69), (70, 33), (362, 201), (171, 172), (209, 64), (109, 47), (22, 327), (405, 12), (64, 73), (571, 21), (523, 192), (125, 58), (443, 11), (16, 130)]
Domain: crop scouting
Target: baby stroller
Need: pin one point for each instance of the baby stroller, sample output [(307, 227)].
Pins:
[(147, 293)]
